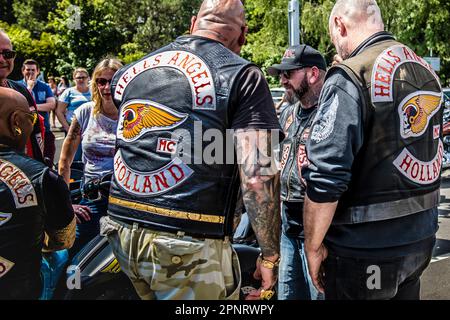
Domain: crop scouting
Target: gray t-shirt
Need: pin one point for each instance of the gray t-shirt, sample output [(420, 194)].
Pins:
[(98, 140)]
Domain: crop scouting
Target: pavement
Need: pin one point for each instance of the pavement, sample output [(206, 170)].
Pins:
[(436, 278)]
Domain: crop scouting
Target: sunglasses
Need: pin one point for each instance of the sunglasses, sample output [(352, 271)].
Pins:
[(102, 81), (80, 78), (288, 73), (8, 54)]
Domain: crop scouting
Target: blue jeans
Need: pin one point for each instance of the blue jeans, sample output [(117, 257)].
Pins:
[(294, 282)]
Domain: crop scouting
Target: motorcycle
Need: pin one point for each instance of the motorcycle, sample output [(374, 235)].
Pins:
[(94, 273)]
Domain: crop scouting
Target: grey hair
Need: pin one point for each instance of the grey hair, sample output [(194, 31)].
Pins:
[(359, 12)]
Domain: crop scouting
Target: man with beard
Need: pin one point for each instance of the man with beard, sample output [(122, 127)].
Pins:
[(301, 72)]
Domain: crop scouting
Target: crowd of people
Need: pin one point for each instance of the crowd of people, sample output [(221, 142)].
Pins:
[(357, 183)]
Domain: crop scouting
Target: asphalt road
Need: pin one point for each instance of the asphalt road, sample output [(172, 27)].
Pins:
[(436, 279)]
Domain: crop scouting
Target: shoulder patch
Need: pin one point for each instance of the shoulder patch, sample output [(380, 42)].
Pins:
[(19, 184), (5, 266), (324, 122)]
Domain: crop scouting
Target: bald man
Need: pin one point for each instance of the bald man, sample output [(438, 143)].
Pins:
[(375, 155), (172, 201), (35, 145), (35, 202)]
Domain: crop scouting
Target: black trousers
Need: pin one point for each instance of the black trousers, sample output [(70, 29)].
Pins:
[(376, 277)]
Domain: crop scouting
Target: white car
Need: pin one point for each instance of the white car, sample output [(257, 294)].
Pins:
[(277, 94)]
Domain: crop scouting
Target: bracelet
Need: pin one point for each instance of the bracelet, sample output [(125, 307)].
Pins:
[(267, 263)]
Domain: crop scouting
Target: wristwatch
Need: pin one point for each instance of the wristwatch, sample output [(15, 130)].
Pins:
[(267, 263)]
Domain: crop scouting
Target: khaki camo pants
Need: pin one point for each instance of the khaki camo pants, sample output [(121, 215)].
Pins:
[(164, 266)]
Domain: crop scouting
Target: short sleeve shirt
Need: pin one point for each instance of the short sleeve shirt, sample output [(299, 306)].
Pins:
[(74, 99)]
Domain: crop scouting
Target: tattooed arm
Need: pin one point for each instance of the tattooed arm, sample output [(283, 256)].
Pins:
[(69, 149), (260, 182)]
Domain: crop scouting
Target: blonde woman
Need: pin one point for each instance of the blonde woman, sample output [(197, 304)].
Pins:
[(94, 127)]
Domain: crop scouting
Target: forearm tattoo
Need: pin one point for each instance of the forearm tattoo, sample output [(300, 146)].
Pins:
[(260, 187), (74, 131)]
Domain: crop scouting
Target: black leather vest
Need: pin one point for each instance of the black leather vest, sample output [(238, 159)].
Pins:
[(296, 127), (21, 218), (169, 100), (397, 171)]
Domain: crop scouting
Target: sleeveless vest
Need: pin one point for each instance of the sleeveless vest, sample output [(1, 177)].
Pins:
[(174, 103), (397, 171), (22, 214)]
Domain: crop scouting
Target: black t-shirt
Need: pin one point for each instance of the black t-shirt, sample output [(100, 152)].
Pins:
[(253, 104)]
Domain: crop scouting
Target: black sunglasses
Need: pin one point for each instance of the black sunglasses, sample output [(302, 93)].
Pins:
[(103, 81), (287, 73), (8, 54), (80, 78)]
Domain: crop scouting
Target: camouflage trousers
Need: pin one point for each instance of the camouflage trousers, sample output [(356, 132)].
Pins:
[(165, 266)]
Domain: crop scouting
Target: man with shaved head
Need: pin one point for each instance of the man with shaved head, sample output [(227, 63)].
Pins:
[(171, 206), (35, 145), (375, 155), (35, 207)]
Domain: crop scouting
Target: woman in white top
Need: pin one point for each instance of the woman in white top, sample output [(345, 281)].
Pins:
[(94, 126)]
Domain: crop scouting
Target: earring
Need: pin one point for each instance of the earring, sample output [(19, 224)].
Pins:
[(18, 131)]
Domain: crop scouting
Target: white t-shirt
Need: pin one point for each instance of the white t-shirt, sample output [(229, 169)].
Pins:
[(98, 140)]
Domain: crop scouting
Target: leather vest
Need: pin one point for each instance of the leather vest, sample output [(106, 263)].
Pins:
[(22, 214), (168, 101), (397, 170), (297, 128)]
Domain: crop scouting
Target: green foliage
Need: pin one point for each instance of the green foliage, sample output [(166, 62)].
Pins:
[(44, 29)]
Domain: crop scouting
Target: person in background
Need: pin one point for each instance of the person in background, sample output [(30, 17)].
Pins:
[(301, 72), (45, 102), (54, 86), (35, 207), (71, 99), (63, 84), (93, 127)]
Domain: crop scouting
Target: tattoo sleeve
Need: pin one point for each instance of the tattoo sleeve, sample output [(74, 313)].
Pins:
[(260, 182), (69, 148), (61, 238)]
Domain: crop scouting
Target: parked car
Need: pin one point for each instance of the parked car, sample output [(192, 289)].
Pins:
[(277, 94), (446, 97)]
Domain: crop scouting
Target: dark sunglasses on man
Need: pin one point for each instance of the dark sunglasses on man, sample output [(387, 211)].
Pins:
[(102, 81), (8, 54), (288, 73)]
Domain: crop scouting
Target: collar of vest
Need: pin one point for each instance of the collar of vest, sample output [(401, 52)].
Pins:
[(375, 38)]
